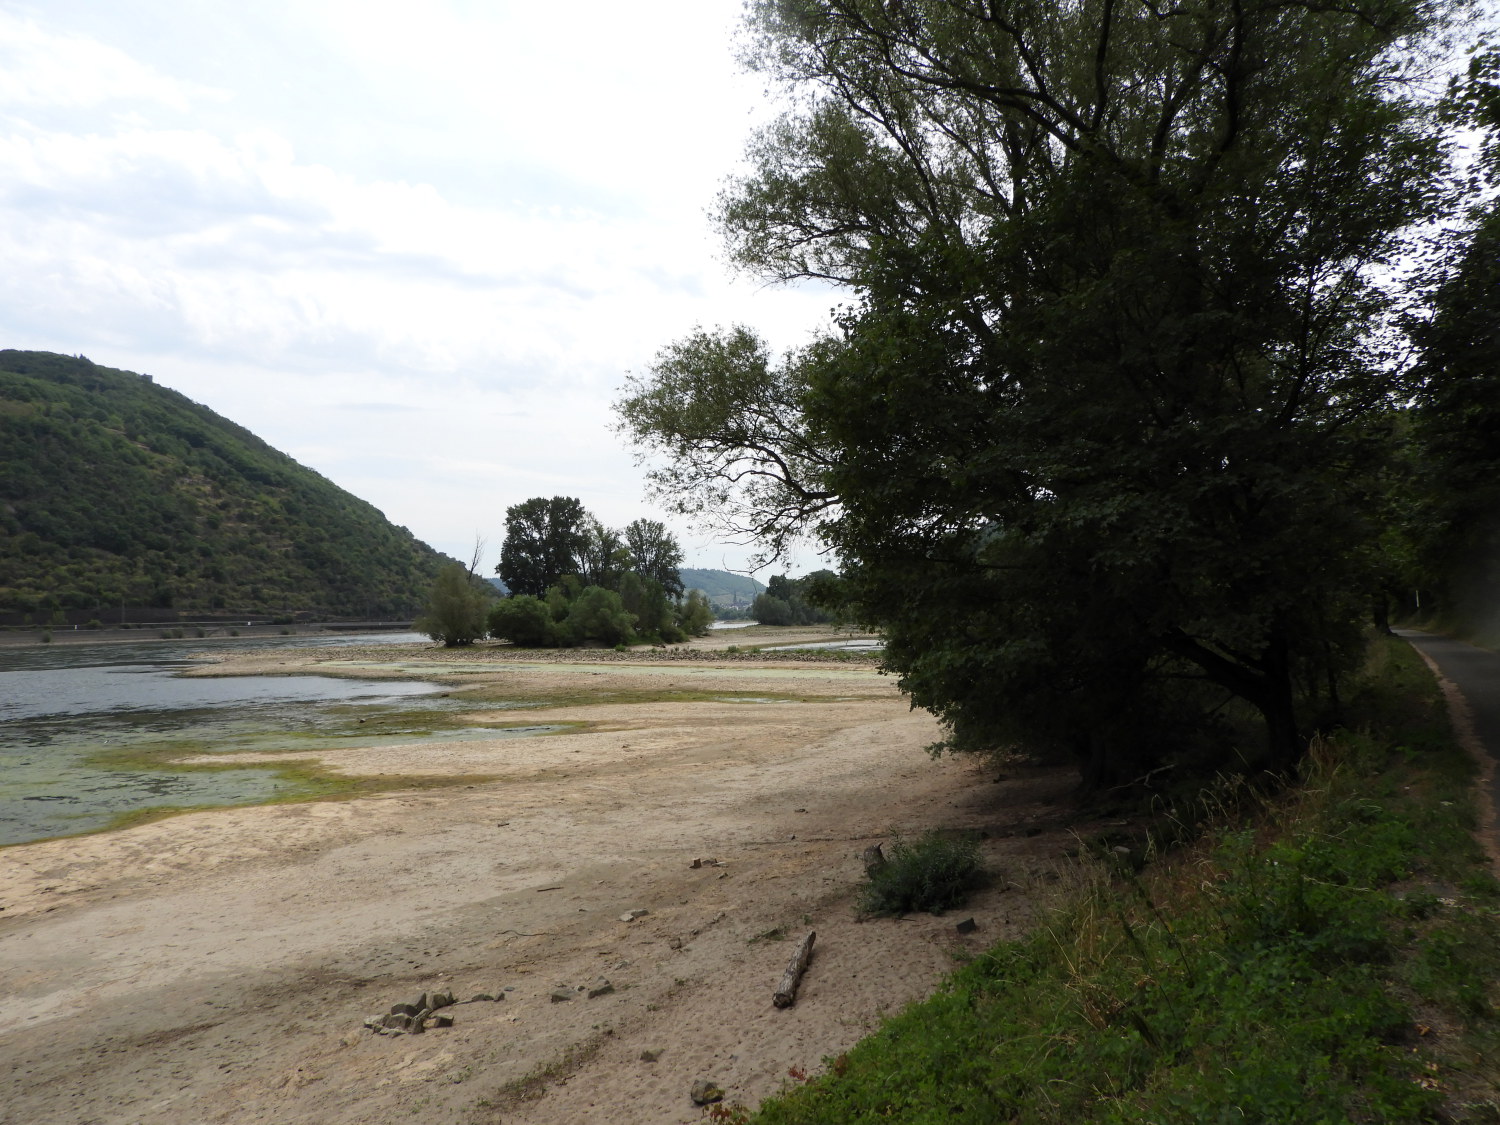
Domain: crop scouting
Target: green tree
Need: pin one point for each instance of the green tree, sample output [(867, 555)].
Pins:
[(724, 426), (455, 609), (655, 554), (543, 541), (598, 615), (1454, 516), (1096, 427), (523, 620), (602, 555), (768, 609), (695, 614)]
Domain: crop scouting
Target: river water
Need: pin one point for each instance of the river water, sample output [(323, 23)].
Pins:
[(81, 724)]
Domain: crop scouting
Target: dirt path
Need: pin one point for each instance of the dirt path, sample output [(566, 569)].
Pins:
[(1470, 679), (217, 967)]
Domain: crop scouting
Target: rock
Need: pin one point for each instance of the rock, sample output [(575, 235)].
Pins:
[(406, 1009), (440, 1021), (561, 994), (397, 1020), (601, 987), (439, 1000), (650, 1056), (632, 915), (705, 1092), (967, 926), (675, 943), (485, 996)]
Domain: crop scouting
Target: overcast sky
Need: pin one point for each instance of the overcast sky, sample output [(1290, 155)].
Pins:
[(417, 246)]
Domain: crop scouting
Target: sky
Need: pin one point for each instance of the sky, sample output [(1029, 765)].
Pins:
[(416, 246)]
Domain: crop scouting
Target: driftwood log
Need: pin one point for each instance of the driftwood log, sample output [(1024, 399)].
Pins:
[(786, 991)]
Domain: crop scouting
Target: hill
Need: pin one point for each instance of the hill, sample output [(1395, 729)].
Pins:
[(122, 500), (722, 588)]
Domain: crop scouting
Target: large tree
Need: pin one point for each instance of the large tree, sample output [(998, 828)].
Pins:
[(1094, 429), (544, 539), (1455, 519), (655, 554)]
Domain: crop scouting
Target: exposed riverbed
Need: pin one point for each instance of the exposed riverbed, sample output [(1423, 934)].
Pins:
[(90, 733), (217, 967)]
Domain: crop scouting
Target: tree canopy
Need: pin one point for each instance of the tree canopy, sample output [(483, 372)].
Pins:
[(602, 586), (544, 539), (1094, 434)]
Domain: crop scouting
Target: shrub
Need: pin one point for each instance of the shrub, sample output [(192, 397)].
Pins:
[(455, 609), (523, 620), (599, 615), (933, 873)]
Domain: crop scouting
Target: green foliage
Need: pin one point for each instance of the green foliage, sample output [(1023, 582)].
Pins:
[(607, 587), (1285, 971), (695, 614), (118, 492), (544, 540), (455, 609), (599, 616), (728, 424), (654, 554), (523, 620), (1452, 495), (934, 873), (790, 601), (1106, 410)]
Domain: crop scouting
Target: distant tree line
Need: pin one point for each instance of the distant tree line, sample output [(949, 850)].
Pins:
[(572, 581), (797, 601)]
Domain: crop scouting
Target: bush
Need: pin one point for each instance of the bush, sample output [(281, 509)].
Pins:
[(934, 873), (454, 613), (523, 620), (599, 615)]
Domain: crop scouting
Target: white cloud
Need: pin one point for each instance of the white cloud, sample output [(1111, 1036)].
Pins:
[(44, 68), (293, 247)]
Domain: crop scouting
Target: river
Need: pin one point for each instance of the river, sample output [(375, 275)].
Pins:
[(81, 727)]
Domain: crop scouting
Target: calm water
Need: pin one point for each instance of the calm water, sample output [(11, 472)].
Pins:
[(67, 711)]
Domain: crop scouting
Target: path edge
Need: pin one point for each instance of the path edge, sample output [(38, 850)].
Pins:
[(1462, 721)]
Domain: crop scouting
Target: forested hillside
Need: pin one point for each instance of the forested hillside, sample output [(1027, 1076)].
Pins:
[(120, 499), (722, 587)]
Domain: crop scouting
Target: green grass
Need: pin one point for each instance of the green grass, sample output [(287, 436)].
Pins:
[(1331, 956)]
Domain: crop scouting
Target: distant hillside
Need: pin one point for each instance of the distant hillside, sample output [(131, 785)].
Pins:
[(721, 587), (118, 494)]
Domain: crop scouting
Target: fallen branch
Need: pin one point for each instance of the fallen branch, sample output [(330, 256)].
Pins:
[(786, 991)]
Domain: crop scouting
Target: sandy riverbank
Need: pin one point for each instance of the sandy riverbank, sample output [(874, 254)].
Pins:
[(217, 966)]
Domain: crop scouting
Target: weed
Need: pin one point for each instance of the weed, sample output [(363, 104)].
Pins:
[(1289, 966), (933, 873), (733, 1114)]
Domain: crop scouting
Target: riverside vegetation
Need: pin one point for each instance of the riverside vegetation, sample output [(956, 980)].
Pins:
[(1326, 953)]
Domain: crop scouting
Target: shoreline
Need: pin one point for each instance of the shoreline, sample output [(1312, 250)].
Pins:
[(218, 966), (31, 637)]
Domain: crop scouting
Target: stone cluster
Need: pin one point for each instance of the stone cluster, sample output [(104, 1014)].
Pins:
[(420, 1015)]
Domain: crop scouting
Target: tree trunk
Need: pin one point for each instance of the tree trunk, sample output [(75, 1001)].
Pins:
[(1283, 741), (786, 991)]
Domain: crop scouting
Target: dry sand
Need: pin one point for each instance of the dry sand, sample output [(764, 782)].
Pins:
[(218, 966)]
